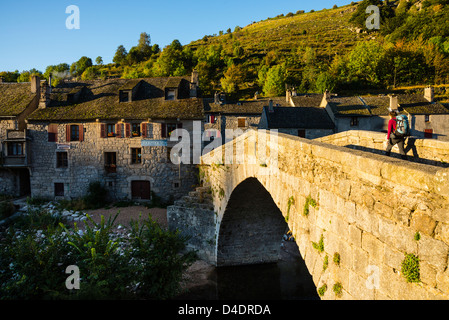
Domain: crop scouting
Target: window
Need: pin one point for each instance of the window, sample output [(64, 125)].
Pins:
[(427, 118), (241, 122), (135, 129), (136, 155), (211, 118), (167, 129), (74, 132), (15, 149), (59, 189), (428, 133), (61, 160), (171, 94), (301, 133), (52, 133), (110, 129), (110, 162), (354, 121), (125, 95)]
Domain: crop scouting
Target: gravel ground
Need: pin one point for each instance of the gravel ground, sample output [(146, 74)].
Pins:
[(127, 214)]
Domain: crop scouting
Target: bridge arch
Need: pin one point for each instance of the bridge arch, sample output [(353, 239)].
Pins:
[(251, 228)]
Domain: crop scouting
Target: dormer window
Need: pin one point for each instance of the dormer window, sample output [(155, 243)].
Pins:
[(125, 95), (170, 94)]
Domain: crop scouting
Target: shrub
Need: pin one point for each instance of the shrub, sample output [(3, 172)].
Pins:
[(6, 209), (410, 268), (96, 195), (147, 263)]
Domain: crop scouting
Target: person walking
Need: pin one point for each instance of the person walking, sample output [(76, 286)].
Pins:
[(394, 138)]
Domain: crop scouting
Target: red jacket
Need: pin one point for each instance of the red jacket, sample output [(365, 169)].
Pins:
[(391, 127)]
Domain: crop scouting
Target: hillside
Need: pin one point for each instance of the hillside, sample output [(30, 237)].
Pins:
[(327, 49), (327, 31)]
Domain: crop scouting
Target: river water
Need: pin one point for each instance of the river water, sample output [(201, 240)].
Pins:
[(288, 279)]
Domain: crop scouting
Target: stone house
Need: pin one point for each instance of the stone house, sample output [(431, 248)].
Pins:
[(428, 118), (17, 101), (305, 122), (239, 116), (116, 131)]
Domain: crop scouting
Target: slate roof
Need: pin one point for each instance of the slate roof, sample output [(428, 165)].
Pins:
[(379, 105), (99, 99), (248, 107), (307, 100), (14, 98), (348, 106), (298, 117)]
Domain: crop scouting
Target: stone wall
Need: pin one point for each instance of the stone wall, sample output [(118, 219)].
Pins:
[(429, 151), (86, 163), (366, 209)]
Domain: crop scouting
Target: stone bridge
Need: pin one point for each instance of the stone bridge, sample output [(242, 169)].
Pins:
[(357, 217)]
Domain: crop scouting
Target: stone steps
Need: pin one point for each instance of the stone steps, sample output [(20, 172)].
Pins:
[(201, 198)]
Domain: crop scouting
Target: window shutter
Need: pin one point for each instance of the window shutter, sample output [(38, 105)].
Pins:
[(67, 133), (52, 133), (118, 130), (212, 119), (128, 130), (143, 129), (163, 130), (103, 130), (81, 129)]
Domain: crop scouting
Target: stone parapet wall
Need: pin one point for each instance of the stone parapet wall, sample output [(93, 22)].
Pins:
[(429, 151)]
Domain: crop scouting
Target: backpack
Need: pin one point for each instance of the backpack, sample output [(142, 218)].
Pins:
[(402, 126)]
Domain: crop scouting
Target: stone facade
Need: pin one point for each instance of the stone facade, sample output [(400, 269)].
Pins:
[(367, 209), (87, 162)]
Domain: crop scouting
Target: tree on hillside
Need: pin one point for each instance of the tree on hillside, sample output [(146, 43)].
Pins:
[(171, 62), (77, 68), (99, 60), (25, 76), (120, 55), (275, 81), (364, 61), (232, 80)]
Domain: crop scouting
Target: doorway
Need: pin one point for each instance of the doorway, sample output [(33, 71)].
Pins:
[(140, 189)]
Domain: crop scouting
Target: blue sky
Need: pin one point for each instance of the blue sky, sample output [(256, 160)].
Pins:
[(33, 34)]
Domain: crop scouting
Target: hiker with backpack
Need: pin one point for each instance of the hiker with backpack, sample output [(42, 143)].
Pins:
[(398, 130)]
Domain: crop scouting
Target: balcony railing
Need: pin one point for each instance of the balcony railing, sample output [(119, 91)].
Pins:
[(13, 161)]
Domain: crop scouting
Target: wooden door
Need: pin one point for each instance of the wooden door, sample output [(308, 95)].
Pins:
[(140, 189)]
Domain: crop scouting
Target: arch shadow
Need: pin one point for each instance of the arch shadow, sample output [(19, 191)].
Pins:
[(253, 258)]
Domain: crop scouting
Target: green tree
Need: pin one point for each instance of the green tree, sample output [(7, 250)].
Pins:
[(232, 80), (171, 62), (364, 61), (275, 81), (120, 55), (77, 68), (99, 60)]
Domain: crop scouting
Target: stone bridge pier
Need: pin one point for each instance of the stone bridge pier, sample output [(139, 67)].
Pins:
[(366, 225)]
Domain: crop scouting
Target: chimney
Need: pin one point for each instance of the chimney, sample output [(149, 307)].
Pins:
[(270, 106), (35, 84), (44, 96), (326, 97), (288, 95), (428, 94), (393, 102), (194, 83)]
